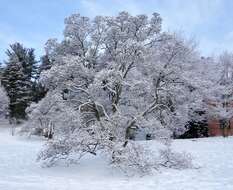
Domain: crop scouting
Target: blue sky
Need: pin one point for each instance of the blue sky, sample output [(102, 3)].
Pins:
[(32, 22)]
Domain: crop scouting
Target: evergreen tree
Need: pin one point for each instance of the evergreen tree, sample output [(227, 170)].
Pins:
[(38, 90), (31, 68), (46, 63), (18, 78)]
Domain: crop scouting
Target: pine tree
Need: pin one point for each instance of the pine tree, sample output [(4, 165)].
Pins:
[(31, 68), (18, 77), (46, 63), (38, 90)]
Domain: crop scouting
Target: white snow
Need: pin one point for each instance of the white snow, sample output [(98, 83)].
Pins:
[(19, 171)]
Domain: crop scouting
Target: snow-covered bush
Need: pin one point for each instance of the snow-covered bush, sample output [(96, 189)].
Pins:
[(52, 110), (79, 142), (134, 158), (175, 160)]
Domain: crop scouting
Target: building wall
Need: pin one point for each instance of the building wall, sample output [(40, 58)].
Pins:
[(215, 130)]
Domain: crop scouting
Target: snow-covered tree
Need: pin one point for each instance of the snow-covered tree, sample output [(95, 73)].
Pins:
[(219, 96), (110, 78)]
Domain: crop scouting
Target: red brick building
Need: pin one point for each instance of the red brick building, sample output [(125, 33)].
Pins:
[(215, 129), (220, 127)]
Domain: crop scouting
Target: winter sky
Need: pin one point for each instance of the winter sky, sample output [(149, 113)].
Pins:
[(32, 22)]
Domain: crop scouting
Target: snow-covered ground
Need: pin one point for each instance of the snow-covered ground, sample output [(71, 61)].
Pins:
[(19, 171)]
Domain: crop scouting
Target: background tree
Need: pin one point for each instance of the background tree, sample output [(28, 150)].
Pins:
[(3, 103), (19, 75), (46, 63), (219, 97)]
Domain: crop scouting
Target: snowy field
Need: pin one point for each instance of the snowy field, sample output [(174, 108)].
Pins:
[(19, 171)]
